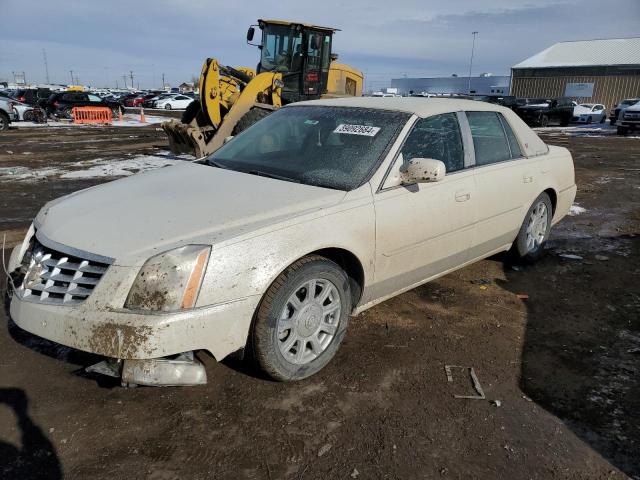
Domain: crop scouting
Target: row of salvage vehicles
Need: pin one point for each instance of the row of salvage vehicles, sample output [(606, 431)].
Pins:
[(296, 63)]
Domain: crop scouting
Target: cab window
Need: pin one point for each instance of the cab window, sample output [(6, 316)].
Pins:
[(436, 137)]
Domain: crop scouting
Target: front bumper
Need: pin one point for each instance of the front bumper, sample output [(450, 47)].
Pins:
[(220, 329)]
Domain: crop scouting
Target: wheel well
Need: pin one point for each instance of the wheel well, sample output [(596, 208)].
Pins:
[(350, 264), (553, 196)]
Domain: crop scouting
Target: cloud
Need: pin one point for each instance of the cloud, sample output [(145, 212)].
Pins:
[(101, 41)]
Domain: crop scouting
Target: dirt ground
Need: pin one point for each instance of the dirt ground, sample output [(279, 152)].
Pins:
[(560, 370)]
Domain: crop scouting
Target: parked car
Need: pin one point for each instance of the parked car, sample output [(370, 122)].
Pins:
[(629, 119), (7, 113), (23, 112), (589, 113), (31, 96), (126, 97), (136, 101), (614, 115), (542, 112), (178, 102), (60, 104), (504, 100), (152, 102), (337, 205)]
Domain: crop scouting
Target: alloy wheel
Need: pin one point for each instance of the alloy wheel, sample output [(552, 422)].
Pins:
[(309, 321), (537, 227)]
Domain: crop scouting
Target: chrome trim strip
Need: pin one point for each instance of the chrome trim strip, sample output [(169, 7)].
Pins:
[(52, 244)]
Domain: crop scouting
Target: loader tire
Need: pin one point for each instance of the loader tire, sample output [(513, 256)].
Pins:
[(190, 112), (249, 118)]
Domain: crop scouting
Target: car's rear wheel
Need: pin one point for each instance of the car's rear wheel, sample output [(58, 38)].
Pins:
[(4, 122), (302, 319), (529, 244), (167, 106), (28, 116)]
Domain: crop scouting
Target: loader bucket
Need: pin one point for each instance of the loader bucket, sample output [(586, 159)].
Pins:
[(187, 138)]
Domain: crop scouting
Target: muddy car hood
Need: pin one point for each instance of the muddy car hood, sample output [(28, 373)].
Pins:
[(136, 217)]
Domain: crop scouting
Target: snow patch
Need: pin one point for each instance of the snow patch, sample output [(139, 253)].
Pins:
[(576, 210)]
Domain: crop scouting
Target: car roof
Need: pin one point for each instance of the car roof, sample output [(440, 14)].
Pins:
[(532, 145), (422, 107)]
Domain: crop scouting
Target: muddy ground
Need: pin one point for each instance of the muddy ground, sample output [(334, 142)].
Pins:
[(560, 370)]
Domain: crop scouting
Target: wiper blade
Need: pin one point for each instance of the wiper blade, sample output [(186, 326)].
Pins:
[(273, 175)]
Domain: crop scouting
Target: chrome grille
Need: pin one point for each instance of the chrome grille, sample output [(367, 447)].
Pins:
[(58, 278)]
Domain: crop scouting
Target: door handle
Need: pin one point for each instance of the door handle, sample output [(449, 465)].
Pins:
[(527, 178), (462, 196)]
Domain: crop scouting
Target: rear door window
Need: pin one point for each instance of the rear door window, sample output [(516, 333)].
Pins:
[(489, 139), (511, 137), (436, 137)]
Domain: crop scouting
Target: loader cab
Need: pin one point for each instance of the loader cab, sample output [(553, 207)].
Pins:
[(301, 52)]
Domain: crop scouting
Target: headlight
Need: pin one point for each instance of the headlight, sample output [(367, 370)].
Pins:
[(170, 281)]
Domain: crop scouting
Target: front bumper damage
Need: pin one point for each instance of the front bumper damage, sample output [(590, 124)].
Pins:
[(177, 370)]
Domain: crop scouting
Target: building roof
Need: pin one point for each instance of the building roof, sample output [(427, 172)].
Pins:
[(587, 53)]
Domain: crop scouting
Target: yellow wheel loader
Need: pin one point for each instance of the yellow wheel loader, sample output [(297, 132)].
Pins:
[(296, 63)]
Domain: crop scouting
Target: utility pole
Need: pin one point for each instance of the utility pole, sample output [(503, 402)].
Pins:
[(473, 46), (71, 73), (131, 75), (46, 67), (124, 79), (163, 81)]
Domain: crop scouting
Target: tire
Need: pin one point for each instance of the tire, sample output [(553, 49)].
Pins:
[(190, 112), (544, 121), (249, 118), (612, 122), (622, 130), (28, 116), (167, 107), (603, 119), (310, 342), (526, 246), (4, 122)]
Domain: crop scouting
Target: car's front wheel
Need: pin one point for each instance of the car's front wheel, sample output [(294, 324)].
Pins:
[(167, 106), (529, 244), (302, 319)]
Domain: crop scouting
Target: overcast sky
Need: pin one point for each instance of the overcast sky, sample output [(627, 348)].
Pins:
[(101, 41)]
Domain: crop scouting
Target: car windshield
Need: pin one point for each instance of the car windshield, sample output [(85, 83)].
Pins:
[(332, 147)]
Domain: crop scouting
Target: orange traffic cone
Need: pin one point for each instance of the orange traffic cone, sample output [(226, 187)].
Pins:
[(120, 116), (142, 120)]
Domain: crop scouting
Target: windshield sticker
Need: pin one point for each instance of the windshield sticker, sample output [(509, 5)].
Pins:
[(311, 122), (365, 130)]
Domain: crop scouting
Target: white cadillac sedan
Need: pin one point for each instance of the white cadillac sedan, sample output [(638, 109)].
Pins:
[(315, 213)]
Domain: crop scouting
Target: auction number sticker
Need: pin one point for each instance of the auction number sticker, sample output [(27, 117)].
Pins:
[(364, 130)]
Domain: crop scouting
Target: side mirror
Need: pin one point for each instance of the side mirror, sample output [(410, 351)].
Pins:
[(421, 170), (250, 33)]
